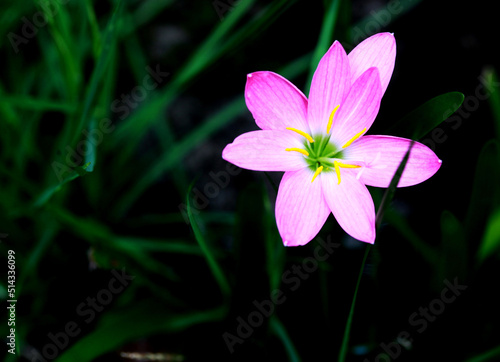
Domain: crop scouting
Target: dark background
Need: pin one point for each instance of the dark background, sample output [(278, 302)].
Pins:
[(443, 46)]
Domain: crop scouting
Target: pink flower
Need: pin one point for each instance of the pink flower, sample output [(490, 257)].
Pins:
[(320, 143)]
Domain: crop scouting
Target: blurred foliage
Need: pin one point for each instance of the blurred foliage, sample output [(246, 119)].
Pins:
[(96, 178)]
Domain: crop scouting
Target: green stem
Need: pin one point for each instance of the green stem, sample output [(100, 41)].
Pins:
[(347, 331)]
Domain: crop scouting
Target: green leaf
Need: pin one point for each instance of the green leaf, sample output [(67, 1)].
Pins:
[(491, 240), (485, 196), (425, 118)]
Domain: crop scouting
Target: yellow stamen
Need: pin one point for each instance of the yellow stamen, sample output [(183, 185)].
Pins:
[(330, 121), (300, 150), (337, 170), (356, 136), (318, 171), (302, 133), (338, 165)]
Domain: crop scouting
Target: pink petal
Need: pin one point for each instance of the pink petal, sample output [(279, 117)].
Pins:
[(265, 151), (301, 209), (359, 109), (378, 51), (351, 204), (275, 103), (329, 86), (382, 156)]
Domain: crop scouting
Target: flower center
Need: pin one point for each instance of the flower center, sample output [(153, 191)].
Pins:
[(322, 155)]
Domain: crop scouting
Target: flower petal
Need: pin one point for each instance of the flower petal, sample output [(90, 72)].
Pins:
[(379, 51), (265, 151), (382, 156), (275, 103), (351, 204), (301, 209), (359, 109), (329, 86)]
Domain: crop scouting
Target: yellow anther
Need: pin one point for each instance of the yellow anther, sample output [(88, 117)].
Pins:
[(356, 136), (330, 121), (300, 150), (318, 171), (338, 165), (302, 133)]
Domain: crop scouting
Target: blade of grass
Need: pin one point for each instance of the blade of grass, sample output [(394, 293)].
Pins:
[(50, 230), (181, 148), (280, 330), (46, 194), (59, 30), (386, 199), (147, 10), (38, 105), (491, 240), (118, 327), (453, 259), (165, 246), (325, 38), (204, 55), (485, 195), (108, 39), (494, 100), (490, 355), (215, 47), (389, 194), (275, 251), (347, 331), (212, 263), (94, 28)]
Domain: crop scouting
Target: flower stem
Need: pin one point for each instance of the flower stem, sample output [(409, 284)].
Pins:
[(345, 339)]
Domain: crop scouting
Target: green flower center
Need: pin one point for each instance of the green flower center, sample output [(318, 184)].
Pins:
[(322, 155), (322, 152)]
